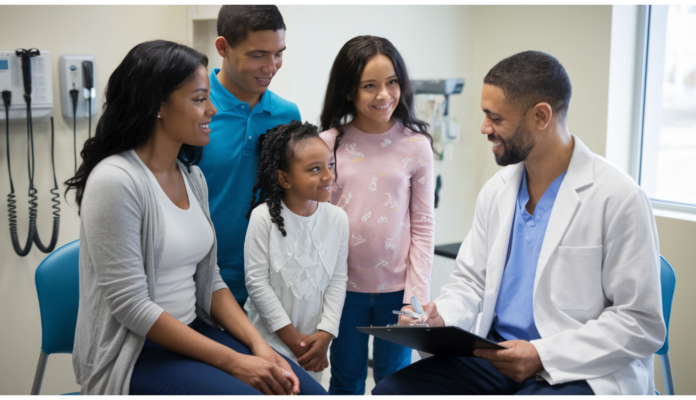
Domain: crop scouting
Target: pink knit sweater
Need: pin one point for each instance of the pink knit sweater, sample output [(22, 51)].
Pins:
[(385, 185)]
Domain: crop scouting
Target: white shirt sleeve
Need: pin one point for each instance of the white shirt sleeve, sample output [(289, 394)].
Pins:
[(257, 271), (335, 294)]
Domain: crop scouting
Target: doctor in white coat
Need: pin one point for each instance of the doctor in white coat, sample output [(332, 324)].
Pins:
[(582, 313)]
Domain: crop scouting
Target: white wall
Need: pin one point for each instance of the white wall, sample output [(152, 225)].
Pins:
[(435, 41), (107, 32)]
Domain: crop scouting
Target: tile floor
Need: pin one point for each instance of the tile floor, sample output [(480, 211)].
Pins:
[(370, 381)]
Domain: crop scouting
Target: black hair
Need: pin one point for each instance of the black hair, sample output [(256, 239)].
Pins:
[(531, 77), (277, 153), (235, 22), (344, 79), (145, 79)]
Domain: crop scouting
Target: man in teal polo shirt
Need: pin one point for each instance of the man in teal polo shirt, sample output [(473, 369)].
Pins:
[(251, 42)]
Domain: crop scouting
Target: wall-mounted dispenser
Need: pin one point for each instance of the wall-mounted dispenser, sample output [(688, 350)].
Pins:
[(77, 72)]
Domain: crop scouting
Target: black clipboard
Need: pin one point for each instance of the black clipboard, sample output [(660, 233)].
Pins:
[(440, 341)]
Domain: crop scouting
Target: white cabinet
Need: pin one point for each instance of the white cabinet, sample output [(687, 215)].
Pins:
[(203, 31)]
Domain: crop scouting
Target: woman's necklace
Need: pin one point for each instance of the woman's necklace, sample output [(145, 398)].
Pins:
[(176, 172)]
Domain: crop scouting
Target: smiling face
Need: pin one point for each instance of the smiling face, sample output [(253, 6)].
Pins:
[(250, 66), (506, 127), (188, 110), (377, 95), (311, 173)]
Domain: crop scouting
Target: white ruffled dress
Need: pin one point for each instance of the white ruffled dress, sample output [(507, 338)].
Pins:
[(299, 279)]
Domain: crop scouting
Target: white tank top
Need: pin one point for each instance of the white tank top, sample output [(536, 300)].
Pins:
[(188, 238)]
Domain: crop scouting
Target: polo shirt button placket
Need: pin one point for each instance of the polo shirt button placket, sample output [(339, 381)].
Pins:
[(248, 129)]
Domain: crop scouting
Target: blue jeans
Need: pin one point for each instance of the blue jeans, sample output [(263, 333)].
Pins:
[(160, 371), (349, 350), (468, 376)]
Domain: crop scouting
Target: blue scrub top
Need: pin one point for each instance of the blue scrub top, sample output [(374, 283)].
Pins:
[(230, 164), (514, 312)]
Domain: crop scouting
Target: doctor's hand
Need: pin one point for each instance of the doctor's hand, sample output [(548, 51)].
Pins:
[(518, 362), (430, 315)]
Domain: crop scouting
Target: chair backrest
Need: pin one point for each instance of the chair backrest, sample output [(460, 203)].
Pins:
[(57, 285), (668, 280)]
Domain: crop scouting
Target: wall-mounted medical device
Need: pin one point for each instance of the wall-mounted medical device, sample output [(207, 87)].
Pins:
[(439, 86), (78, 94), (12, 79), (77, 81), (445, 87), (25, 83), (445, 130)]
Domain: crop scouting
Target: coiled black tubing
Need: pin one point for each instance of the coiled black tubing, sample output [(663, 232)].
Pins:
[(33, 235)]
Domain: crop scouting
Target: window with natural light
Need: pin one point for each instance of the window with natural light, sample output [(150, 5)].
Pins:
[(668, 162)]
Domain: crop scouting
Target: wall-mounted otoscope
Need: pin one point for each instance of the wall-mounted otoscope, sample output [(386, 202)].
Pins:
[(88, 92), (26, 56)]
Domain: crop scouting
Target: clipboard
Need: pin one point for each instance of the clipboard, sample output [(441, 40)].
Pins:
[(440, 341)]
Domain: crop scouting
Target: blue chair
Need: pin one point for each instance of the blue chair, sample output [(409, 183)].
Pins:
[(57, 285), (668, 280)]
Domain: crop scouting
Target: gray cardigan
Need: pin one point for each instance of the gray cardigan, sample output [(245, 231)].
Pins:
[(121, 240)]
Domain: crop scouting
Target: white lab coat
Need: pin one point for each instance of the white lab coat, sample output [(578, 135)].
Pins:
[(597, 298)]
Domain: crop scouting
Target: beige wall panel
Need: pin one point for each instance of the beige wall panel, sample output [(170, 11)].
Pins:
[(578, 36), (107, 33)]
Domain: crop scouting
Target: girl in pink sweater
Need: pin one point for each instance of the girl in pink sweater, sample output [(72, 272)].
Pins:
[(384, 174)]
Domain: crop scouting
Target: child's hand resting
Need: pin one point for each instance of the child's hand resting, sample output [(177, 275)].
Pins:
[(315, 358), (292, 338), (295, 346)]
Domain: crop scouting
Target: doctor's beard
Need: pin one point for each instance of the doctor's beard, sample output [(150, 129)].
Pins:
[(516, 148)]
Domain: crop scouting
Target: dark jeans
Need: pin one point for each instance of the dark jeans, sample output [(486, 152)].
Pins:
[(160, 371), (468, 376), (349, 350)]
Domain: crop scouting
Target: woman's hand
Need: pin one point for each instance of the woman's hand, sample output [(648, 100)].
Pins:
[(315, 358), (265, 372), (262, 371)]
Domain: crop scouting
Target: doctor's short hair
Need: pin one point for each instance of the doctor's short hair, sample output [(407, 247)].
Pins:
[(531, 77), (235, 22)]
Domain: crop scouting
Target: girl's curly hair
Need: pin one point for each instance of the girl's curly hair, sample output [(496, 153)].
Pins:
[(277, 153)]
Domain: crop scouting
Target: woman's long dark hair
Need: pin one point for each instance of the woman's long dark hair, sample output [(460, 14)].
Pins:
[(345, 77), (145, 79), (277, 152)]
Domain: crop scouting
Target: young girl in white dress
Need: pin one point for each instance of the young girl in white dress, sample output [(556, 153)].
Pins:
[(296, 247)]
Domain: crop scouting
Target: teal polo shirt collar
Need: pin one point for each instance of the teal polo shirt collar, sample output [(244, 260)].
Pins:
[(226, 101)]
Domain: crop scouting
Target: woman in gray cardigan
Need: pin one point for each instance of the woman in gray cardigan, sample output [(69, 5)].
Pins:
[(155, 317)]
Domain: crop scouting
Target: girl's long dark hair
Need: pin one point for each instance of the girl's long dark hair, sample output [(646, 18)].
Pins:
[(146, 77), (277, 152), (345, 77)]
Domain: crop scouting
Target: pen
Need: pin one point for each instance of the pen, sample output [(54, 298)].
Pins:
[(408, 314)]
